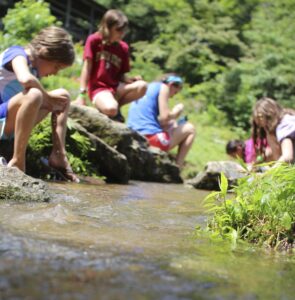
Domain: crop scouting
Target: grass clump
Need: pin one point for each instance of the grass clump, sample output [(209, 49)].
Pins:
[(261, 212)]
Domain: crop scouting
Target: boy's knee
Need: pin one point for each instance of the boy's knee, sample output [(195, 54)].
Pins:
[(35, 95), (64, 93)]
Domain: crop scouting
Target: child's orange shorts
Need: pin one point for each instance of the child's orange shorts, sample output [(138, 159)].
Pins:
[(160, 140)]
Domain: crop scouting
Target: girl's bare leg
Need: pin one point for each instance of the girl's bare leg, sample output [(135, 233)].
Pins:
[(182, 136), (106, 103), (127, 93)]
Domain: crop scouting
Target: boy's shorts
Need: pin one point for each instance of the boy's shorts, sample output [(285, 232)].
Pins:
[(3, 110), (3, 115), (160, 140)]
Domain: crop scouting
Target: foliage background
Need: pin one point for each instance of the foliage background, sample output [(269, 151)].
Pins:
[(229, 52)]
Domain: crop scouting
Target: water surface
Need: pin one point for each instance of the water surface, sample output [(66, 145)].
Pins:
[(128, 242)]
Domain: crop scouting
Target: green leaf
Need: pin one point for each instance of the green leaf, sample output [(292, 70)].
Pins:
[(223, 184), (287, 221)]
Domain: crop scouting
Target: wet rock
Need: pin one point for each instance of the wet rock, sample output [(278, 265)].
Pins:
[(210, 177), (144, 162), (17, 186)]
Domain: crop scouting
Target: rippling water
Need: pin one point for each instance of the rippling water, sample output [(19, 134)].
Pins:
[(128, 242)]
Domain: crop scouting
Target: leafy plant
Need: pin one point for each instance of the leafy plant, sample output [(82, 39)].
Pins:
[(78, 147), (261, 212)]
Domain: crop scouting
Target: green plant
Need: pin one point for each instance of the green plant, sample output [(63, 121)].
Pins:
[(78, 148), (261, 212)]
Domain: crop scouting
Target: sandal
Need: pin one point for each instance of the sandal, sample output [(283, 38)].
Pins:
[(63, 173)]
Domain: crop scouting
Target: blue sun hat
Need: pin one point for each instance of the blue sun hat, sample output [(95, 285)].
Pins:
[(174, 79)]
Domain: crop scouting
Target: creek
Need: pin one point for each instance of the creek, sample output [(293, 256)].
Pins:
[(132, 241)]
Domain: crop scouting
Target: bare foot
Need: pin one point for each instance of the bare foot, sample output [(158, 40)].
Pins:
[(20, 165), (62, 165)]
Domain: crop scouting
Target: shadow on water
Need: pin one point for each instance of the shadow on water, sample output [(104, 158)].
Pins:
[(128, 242)]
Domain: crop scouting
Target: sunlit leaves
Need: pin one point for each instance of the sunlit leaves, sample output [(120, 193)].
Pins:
[(26, 19), (262, 210)]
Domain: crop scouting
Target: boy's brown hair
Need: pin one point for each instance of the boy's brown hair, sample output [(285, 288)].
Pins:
[(53, 44)]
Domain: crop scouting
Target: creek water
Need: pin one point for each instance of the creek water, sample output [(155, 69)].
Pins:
[(131, 241)]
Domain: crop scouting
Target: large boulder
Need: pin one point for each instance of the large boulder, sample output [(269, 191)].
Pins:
[(106, 159), (144, 162), (17, 186), (117, 153), (209, 178)]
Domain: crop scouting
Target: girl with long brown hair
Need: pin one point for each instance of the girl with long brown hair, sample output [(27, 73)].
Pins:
[(277, 124)]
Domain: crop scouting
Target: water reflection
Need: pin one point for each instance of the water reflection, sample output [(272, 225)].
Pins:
[(128, 242)]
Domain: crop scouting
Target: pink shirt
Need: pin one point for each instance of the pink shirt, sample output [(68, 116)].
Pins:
[(250, 153)]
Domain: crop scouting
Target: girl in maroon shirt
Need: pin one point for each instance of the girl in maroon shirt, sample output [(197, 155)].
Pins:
[(106, 61)]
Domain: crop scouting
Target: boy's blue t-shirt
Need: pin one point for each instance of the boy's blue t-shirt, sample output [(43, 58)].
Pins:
[(9, 85), (143, 113)]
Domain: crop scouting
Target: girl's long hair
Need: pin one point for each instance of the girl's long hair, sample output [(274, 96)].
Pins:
[(272, 112), (259, 139), (112, 17), (53, 44)]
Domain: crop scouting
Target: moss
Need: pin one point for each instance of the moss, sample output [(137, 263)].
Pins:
[(9, 192)]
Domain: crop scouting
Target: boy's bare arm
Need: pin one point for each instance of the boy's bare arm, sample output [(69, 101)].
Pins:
[(28, 80), (23, 74)]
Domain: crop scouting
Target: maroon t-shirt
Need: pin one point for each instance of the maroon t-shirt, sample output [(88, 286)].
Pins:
[(109, 63)]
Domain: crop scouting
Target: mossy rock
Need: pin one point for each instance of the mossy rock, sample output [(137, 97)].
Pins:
[(19, 187)]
